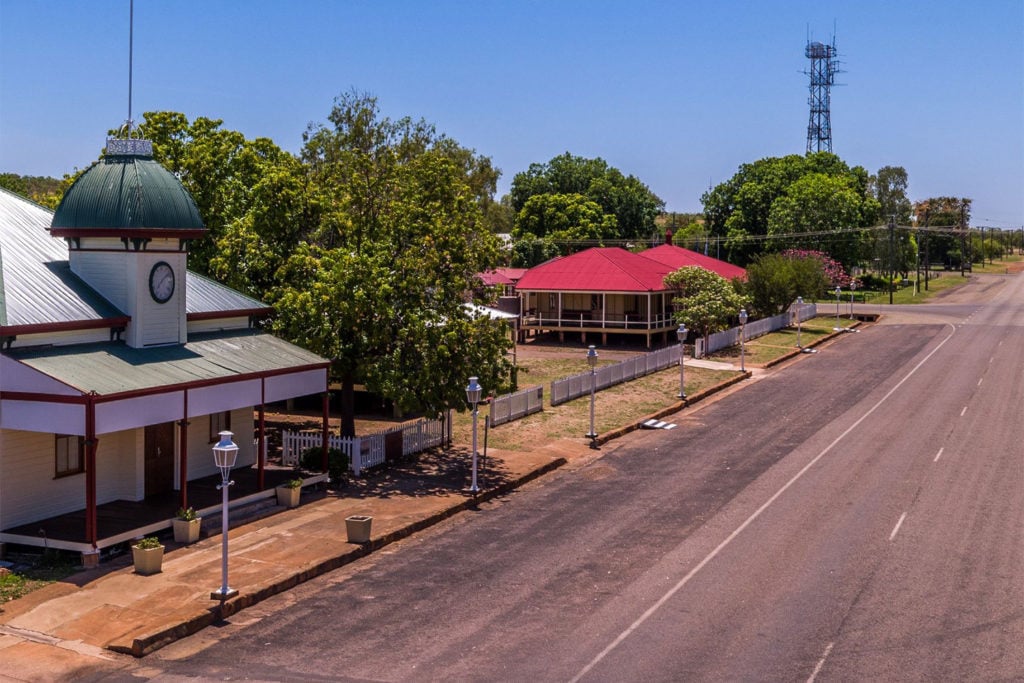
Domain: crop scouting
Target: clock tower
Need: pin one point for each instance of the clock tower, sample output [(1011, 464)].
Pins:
[(128, 222)]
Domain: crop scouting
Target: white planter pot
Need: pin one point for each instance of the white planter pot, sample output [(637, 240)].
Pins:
[(147, 560), (288, 497), (186, 531), (358, 528)]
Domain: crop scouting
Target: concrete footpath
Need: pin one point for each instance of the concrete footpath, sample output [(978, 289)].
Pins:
[(112, 608)]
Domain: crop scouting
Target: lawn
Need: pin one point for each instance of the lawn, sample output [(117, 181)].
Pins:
[(614, 407)]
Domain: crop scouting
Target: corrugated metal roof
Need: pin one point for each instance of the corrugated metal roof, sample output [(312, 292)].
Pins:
[(677, 257), (115, 368), (203, 295), (127, 191), (38, 286), (598, 269)]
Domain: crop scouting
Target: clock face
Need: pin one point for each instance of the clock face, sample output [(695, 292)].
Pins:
[(161, 282)]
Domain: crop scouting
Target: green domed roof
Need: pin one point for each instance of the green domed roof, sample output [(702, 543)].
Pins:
[(127, 193)]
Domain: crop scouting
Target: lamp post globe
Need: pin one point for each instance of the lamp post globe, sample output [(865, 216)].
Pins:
[(592, 362), (473, 392), (681, 334), (224, 455)]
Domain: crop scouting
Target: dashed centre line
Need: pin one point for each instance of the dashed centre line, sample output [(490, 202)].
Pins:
[(939, 454), (821, 663), (963, 412), (896, 528)]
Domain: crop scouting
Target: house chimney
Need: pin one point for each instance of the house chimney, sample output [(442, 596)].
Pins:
[(668, 235)]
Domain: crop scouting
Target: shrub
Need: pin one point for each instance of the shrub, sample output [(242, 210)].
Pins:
[(186, 514), (148, 543), (337, 462)]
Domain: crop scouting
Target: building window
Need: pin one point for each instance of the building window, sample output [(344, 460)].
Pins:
[(69, 455), (219, 422)]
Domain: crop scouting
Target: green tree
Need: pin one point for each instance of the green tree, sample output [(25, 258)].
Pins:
[(774, 281), (628, 200), (740, 209), (939, 221), (705, 301), (556, 219), (889, 188), (250, 193), (379, 287), (825, 206)]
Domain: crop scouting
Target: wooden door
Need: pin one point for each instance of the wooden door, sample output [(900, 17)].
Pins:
[(159, 458)]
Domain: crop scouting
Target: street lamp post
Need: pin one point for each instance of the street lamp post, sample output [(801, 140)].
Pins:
[(224, 454), (853, 286), (473, 392), (838, 292), (743, 324), (799, 322), (592, 362), (681, 332)]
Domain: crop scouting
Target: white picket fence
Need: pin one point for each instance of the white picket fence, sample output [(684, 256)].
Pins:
[(566, 389), (516, 405), (364, 451), (758, 328)]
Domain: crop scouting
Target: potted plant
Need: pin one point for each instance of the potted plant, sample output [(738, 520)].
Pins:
[(186, 525), (288, 493), (148, 555)]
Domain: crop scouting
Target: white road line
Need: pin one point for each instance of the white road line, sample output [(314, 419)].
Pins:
[(750, 520), (980, 381), (939, 454), (963, 412), (821, 663), (896, 528)]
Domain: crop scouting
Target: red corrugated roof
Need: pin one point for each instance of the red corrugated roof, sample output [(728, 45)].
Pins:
[(676, 257), (599, 269), (493, 277)]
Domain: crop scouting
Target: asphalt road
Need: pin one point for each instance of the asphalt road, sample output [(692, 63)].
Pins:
[(856, 515)]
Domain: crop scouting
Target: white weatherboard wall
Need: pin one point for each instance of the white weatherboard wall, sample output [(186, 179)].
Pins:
[(29, 491), (105, 271), (200, 448)]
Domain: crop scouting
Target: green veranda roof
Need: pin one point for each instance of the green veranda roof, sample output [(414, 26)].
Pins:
[(115, 368)]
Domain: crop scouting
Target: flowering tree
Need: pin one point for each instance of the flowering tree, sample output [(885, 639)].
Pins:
[(833, 269), (704, 301)]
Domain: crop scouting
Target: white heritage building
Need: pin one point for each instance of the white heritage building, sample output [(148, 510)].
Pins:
[(118, 366)]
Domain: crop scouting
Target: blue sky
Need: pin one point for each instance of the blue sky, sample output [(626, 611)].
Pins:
[(677, 93)]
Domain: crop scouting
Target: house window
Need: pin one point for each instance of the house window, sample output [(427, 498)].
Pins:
[(219, 422), (69, 455)]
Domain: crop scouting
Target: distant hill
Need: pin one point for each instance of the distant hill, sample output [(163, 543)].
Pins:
[(40, 189)]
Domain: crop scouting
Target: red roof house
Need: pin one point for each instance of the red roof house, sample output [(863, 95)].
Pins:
[(609, 289)]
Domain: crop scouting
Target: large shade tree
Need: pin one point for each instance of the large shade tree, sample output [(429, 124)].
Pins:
[(379, 286), (572, 188), (834, 201)]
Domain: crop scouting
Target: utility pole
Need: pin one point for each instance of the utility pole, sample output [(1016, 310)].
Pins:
[(892, 256), (963, 241), (927, 259)]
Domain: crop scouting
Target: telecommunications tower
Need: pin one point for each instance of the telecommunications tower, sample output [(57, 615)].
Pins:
[(824, 63)]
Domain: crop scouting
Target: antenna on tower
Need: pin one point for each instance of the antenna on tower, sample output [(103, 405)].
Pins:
[(824, 63)]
